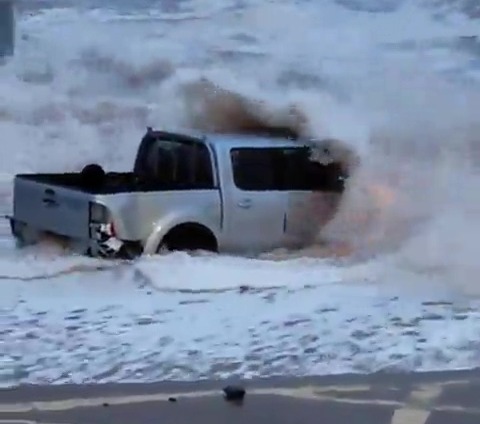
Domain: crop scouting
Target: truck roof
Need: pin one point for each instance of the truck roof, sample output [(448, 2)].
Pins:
[(234, 140), (243, 140)]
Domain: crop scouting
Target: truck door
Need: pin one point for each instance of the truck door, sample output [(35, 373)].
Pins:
[(256, 205), (313, 194), (300, 222)]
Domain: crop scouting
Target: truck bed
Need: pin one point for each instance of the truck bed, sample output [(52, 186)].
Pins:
[(113, 182)]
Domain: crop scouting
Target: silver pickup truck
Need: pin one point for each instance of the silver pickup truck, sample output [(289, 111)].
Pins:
[(223, 193)]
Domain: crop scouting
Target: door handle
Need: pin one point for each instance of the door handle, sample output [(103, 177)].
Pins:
[(245, 203), (49, 197), (49, 202)]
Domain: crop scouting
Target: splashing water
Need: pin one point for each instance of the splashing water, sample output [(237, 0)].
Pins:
[(398, 88)]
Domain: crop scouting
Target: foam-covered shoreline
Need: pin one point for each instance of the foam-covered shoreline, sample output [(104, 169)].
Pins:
[(395, 87)]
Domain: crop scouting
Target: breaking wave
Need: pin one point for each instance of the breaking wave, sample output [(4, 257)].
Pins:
[(400, 104)]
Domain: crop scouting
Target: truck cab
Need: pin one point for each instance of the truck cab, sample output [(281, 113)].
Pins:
[(273, 194), (223, 193)]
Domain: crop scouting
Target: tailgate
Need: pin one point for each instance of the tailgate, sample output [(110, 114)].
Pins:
[(48, 207)]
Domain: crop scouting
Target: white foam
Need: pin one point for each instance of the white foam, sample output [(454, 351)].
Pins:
[(140, 334), (181, 271)]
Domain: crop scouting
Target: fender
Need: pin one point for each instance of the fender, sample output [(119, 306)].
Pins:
[(163, 226)]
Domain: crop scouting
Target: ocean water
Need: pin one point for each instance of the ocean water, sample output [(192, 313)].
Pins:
[(393, 285)]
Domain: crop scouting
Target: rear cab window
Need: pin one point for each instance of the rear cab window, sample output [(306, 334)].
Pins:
[(179, 163)]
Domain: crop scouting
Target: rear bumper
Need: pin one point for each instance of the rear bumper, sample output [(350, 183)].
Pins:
[(101, 243), (104, 244)]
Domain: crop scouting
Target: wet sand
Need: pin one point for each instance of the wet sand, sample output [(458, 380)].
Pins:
[(420, 398)]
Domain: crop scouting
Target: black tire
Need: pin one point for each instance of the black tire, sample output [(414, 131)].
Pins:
[(188, 237)]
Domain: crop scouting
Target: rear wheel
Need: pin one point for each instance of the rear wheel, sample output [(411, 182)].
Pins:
[(187, 238)]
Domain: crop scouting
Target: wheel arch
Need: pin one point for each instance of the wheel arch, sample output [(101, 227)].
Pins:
[(166, 229), (190, 236)]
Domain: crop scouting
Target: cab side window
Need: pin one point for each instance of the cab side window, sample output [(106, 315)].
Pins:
[(295, 169), (329, 177), (254, 169), (283, 169)]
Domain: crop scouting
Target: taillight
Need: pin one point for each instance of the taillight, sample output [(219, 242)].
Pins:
[(113, 233), (101, 223)]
